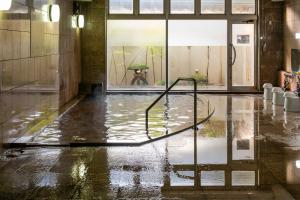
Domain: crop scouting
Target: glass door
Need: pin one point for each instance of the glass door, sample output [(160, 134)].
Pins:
[(243, 56)]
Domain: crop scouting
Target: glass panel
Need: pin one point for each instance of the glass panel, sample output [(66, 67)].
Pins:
[(182, 6), (182, 178), (120, 6), (243, 178), (243, 6), (243, 42), (212, 6), (243, 128), (212, 178), (136, 54), (202, 46), (151, 6)]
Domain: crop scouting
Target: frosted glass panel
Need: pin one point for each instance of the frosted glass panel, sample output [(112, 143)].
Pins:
[(182, 6), (243, 42), (198, 49), (136, 54), (212, 178), (212, 6), (120, 6), (197, 32), (182, 178), (151, 6), (243, 6), (243, 178)]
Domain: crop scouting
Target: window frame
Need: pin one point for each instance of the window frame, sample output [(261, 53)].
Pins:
[(255, 9), (123, 14), (140, 13), (167, 11), (202, 13)]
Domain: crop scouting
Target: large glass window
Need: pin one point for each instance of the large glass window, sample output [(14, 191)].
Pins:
[(198, 49), (182, 6), (120, 6), (151, 6), (243, 6), (212, 6), (136, 54)]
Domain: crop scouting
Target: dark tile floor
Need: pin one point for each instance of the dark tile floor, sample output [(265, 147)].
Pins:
[(247, 150)]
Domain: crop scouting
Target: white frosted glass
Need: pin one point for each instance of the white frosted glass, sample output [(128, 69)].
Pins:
[(243, 41), (136, 32), (179, 180), (243, 6), (243, 178), (182, 6), (212, 178), (212, 6), (198, 33), (120, 6), (151, 6)]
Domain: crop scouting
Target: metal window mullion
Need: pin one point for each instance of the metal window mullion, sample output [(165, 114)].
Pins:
[(197, 4), (228, 8), (136, 7), (167, 10)]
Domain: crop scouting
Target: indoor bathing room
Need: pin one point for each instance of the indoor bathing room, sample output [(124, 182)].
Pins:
[(149, 99)]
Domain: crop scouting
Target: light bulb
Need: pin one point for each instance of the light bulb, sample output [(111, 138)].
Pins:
[(80, 21), (54, 13)]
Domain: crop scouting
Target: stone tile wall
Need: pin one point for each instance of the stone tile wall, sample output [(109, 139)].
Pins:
[(93, 42), (39, 66), (271, 52)]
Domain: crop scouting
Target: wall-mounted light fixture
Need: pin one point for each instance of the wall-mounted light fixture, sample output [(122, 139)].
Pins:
[(77, 19), (5, 4), (298, 164), (297, 36), (54, 13)]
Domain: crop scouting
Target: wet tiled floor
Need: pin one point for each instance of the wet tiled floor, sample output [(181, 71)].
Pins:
[(120, 119), (247, 150)]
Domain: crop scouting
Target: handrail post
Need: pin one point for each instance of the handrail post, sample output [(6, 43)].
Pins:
[(147, 121)]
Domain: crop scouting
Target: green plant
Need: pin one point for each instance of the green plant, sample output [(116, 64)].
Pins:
[(138, 67), (161, 83), (201, 79)]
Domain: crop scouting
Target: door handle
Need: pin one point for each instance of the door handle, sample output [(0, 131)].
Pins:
[(234, 54)]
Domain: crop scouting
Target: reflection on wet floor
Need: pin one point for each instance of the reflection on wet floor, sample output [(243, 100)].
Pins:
[(121, 119), (20, 119), (244, 151)]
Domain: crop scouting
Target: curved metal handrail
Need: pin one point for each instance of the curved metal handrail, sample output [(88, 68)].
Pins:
[(166, 92)]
